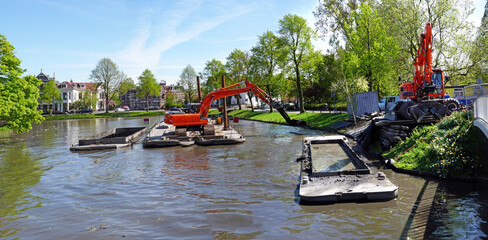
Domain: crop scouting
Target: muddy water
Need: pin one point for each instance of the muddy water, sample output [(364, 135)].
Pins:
[(245, 191)]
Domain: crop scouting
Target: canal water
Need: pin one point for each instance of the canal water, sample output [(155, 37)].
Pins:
[(245, 191)]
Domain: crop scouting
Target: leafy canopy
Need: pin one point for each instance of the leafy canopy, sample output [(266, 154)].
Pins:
[(18, 95), (148, 86), (187, 82), (108, 75)]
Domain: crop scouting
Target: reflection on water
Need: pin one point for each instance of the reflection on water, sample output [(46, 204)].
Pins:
[(459, 212), (18, 173), (243, 191)]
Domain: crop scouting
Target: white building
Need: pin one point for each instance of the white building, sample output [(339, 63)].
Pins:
[(246, 101), (71, 92)]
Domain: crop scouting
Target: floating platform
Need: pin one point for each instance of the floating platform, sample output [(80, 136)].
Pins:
[(332, 172), (166, 135), (111, 139)]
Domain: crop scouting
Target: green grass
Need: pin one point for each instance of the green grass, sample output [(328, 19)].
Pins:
[(105, 115), (317, 120), (449, 148), (5, 132)]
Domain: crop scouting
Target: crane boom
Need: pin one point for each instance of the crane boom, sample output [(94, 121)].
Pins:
[(200, 118)]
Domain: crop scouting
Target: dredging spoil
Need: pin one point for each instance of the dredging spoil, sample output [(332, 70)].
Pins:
[(166, 135), (111, 139)]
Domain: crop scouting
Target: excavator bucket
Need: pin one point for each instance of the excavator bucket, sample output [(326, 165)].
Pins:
[(294, 122)]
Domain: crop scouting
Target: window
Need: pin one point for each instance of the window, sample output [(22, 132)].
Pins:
[(437, 80), (64, 96), (457, 92)]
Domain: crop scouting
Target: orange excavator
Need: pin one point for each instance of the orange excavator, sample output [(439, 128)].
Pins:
[(199, 120), (427, 89)]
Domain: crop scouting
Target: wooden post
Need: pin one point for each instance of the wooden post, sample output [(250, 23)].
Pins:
[(224, 108), (199, 89)]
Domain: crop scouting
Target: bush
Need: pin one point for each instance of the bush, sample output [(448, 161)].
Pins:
[(448, 148)]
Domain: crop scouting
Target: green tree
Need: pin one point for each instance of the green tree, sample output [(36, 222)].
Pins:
[(18, 95), (109, 76), (327, 72), (333, 16), (266, 58), (126, 85), (374, 48), (87, 100), (297, 43), (405, 20), (187, 82), (170, 99), (50, 94), (213, 72), (148, 86), (480, 52), (238, 67)]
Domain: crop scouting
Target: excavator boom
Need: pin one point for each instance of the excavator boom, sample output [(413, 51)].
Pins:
[(200, 118), (427, 89)]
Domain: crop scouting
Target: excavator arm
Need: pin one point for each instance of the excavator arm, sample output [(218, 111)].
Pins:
[(200, 118)]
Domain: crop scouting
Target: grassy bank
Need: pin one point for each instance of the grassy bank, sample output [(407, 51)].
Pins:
[(317, 120), (452, 147), (104, 115), (5, 132)]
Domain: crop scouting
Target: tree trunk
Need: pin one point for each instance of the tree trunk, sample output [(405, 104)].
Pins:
[(269, 93), (249, 95), (147, 102), (239, 101), (300, 93), (106, 102)]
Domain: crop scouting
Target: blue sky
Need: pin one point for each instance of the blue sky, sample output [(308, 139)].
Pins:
[(69, 37)]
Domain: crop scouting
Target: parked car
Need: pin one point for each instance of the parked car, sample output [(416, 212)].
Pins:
[(126, 108), (86, 110), (58, 113), (388, 102), (119, 110), (174, 109)]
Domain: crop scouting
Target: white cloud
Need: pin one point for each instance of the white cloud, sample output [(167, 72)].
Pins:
[(161, 30)]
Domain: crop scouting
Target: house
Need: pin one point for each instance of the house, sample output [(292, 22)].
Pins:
[(131, 99), (71, 92), (246, 101), (45, 79)]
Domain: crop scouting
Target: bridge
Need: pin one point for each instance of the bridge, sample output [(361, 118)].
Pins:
[(481, 114)]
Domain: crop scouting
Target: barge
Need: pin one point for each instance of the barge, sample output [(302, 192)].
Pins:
[(167, 135), (111, 139), (332, 172)]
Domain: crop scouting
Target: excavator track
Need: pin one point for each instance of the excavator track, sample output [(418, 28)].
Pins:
[(417, 111)]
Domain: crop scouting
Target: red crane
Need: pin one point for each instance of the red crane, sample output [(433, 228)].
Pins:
[(427, 89)]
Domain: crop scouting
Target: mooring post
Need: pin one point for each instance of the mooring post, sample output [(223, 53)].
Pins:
[(224, 107), (199, 89)]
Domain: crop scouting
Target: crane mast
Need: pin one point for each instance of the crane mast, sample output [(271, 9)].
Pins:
[(427, 89)]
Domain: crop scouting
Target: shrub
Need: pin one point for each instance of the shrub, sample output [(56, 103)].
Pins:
[(448, 148)]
